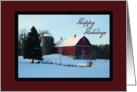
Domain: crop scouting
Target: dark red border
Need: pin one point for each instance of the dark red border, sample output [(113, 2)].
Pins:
[(8, 9)]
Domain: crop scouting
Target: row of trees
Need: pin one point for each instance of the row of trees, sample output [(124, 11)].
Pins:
[(100, 51)]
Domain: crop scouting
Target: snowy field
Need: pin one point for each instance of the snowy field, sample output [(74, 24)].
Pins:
[(99, 69)]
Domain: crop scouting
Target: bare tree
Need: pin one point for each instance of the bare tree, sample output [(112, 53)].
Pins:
[(42, 32), (60, 58), (21, 38), (89, 61), (60, 55)]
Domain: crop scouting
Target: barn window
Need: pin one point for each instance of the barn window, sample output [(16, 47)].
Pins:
[(83, 39)]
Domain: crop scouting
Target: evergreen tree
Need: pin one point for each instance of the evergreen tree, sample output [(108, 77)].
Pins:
[(32, 49)]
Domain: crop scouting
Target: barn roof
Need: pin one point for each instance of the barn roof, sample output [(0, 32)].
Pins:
[(68, 42)]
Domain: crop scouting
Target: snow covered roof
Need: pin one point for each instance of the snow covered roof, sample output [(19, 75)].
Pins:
[(55, 42), (49, 35), (67, 42)]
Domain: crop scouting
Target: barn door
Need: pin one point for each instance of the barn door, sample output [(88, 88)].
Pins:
[(83, 54)]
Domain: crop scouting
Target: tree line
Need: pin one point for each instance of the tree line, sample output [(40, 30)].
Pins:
[(100, 51)]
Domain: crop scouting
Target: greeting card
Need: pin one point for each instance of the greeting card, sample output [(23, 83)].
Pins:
[(63, 46)]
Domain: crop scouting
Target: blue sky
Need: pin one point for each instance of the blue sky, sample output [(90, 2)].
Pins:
[(65, 26)]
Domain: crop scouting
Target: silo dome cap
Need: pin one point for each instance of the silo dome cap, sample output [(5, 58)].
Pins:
[(49, 35)]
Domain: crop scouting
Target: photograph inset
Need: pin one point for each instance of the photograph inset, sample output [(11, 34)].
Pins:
[(64, 46)]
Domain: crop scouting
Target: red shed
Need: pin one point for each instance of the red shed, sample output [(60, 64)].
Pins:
[(77, 47)]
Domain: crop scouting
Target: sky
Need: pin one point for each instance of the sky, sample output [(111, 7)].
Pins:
[(66, 26)]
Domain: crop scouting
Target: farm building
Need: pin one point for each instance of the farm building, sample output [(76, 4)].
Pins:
[(77, 47), (47, 44)]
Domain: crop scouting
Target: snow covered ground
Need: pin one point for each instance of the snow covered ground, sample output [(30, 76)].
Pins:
[(99, 69)]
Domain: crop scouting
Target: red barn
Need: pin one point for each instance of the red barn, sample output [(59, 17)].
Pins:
[(77, 47)]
